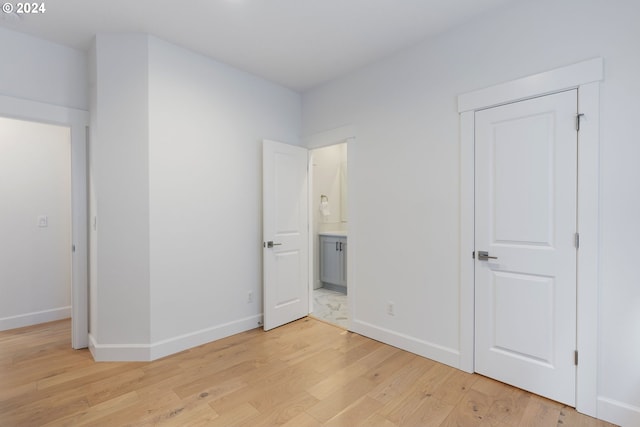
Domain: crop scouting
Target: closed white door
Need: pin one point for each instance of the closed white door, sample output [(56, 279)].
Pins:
[(526, 181), (286, 235)]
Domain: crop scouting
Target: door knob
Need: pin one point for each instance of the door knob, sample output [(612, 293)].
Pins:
[(484, 256), (270, 244)]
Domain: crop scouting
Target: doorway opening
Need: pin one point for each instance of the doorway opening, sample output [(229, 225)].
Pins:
[(76, 122), (328, 220), (36, 223)]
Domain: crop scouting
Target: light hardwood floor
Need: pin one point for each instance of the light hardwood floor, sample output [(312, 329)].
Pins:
[(306, 373)]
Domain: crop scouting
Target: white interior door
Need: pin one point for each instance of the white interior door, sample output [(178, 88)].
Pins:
[(286, 234), (526, 182)]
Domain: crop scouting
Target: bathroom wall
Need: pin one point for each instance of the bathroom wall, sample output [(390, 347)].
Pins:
[(329, 179)]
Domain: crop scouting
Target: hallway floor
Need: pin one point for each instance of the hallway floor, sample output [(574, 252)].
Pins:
[(331, 306)]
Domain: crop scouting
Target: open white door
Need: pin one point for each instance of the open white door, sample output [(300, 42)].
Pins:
[(285, 227), (525, 268)]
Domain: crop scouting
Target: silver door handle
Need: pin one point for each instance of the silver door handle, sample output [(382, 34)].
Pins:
[(484, 256), (270, 244)]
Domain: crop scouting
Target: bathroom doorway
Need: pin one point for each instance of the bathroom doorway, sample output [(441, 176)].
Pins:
[(329, 230)]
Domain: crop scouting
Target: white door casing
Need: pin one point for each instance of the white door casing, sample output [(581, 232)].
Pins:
[(285, 224), (526, 186), (78, 121), (586, 77)]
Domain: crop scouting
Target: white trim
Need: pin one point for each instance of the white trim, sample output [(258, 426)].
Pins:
[(587, 271), (352, 227), (583, 76), (34, 318), (446, 355), (467, 243), (330, 137), (311, 230), (193, 339), (77, 120), (118, 352), (618, 412), (548, 82), (157, 350)]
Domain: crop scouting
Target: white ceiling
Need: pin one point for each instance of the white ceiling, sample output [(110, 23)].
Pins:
[(296, 43)]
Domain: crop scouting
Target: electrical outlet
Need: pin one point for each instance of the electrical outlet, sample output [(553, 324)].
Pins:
[(391, 308), (249, 296)]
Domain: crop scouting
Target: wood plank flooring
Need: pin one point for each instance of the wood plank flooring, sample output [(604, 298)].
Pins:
[(304, 374)]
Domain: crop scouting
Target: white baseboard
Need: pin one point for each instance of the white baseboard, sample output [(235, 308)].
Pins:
[(119, 352), (436, 352), (616, 412), (35, 318), (194, 339), (149, 352)]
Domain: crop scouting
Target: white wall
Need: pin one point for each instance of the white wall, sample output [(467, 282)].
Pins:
[(176, 158), (207, 123), (35, 261), (120, 180), (43, 71), (408, 171)]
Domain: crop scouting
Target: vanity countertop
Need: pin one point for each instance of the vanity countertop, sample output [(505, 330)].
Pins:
[(333, 233)]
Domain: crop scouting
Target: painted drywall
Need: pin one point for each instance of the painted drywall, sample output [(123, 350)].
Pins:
[(42, 71), (207, 122), (176, 179), (119, 174), (35, 223), (408, 170)]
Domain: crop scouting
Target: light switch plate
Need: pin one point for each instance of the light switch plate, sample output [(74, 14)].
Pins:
[(43, 221)]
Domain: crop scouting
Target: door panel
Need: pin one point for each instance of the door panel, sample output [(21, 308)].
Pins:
[(526, 181), (285, 217), (523, 183), (524, 303)]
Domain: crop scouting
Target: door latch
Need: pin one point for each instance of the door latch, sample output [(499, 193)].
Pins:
[(484, 256)]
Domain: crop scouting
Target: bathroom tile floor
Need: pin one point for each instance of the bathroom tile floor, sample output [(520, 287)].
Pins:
[(330, 306)]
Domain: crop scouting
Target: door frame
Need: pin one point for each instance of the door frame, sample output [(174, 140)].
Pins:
[(77, 121), (343, 134), (584, 76)]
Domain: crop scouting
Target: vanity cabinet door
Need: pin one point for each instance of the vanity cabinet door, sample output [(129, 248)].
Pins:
[(333, 260)]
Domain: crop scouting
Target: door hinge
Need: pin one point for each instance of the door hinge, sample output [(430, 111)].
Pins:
[(578, 116), (577, 240), (575, 357), (73, 248)]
